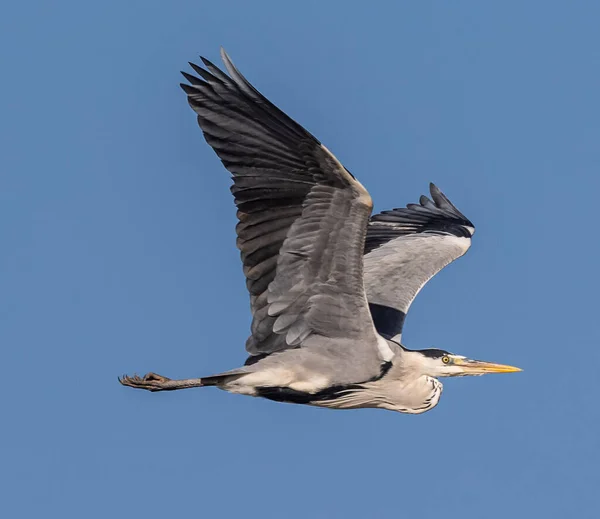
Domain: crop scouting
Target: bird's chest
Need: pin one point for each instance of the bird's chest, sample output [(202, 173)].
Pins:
[(418, 395)]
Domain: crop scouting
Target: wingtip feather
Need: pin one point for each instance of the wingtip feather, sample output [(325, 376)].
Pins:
[(192, 79), (188, 89), (206, 62), (223, 53)]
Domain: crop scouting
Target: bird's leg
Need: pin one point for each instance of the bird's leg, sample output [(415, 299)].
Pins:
[(154, 382)]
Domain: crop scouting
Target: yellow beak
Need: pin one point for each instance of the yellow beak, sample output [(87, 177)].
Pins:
[(479, 367)]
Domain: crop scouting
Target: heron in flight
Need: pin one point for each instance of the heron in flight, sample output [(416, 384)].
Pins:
[(330, 285)]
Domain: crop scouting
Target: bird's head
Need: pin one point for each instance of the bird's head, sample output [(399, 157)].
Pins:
[(439, 363)]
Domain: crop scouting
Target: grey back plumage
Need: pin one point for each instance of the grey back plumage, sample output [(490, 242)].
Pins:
[(302, 216)]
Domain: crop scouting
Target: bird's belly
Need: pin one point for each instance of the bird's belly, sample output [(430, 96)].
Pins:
[(277, 377)]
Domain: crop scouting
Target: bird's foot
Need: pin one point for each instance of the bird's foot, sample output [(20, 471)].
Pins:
[(150, 382)]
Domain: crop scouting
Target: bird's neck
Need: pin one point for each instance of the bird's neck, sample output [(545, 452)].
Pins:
[(412, 363)]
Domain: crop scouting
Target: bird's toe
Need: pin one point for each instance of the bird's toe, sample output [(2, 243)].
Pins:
[(150, 381)]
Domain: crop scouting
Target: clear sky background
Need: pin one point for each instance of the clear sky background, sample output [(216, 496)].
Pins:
[(118, 256)]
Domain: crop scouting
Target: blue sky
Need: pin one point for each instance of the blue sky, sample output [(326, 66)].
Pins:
[(119, 256)]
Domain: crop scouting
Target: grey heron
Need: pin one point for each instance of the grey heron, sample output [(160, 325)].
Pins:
[(329, 284)]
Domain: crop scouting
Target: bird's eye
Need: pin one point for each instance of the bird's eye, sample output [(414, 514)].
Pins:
[(445, 359)]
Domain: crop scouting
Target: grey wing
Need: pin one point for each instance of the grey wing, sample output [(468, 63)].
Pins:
[(404, 249), (302, 216)]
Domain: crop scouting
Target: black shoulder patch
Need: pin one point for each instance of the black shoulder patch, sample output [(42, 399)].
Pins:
[(253, 359), (388, 321)]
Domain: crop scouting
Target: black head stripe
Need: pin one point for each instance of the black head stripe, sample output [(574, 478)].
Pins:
[(434, 353)]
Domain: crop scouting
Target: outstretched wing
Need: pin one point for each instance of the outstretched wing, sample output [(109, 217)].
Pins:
[(302, 216), (404, 249)]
